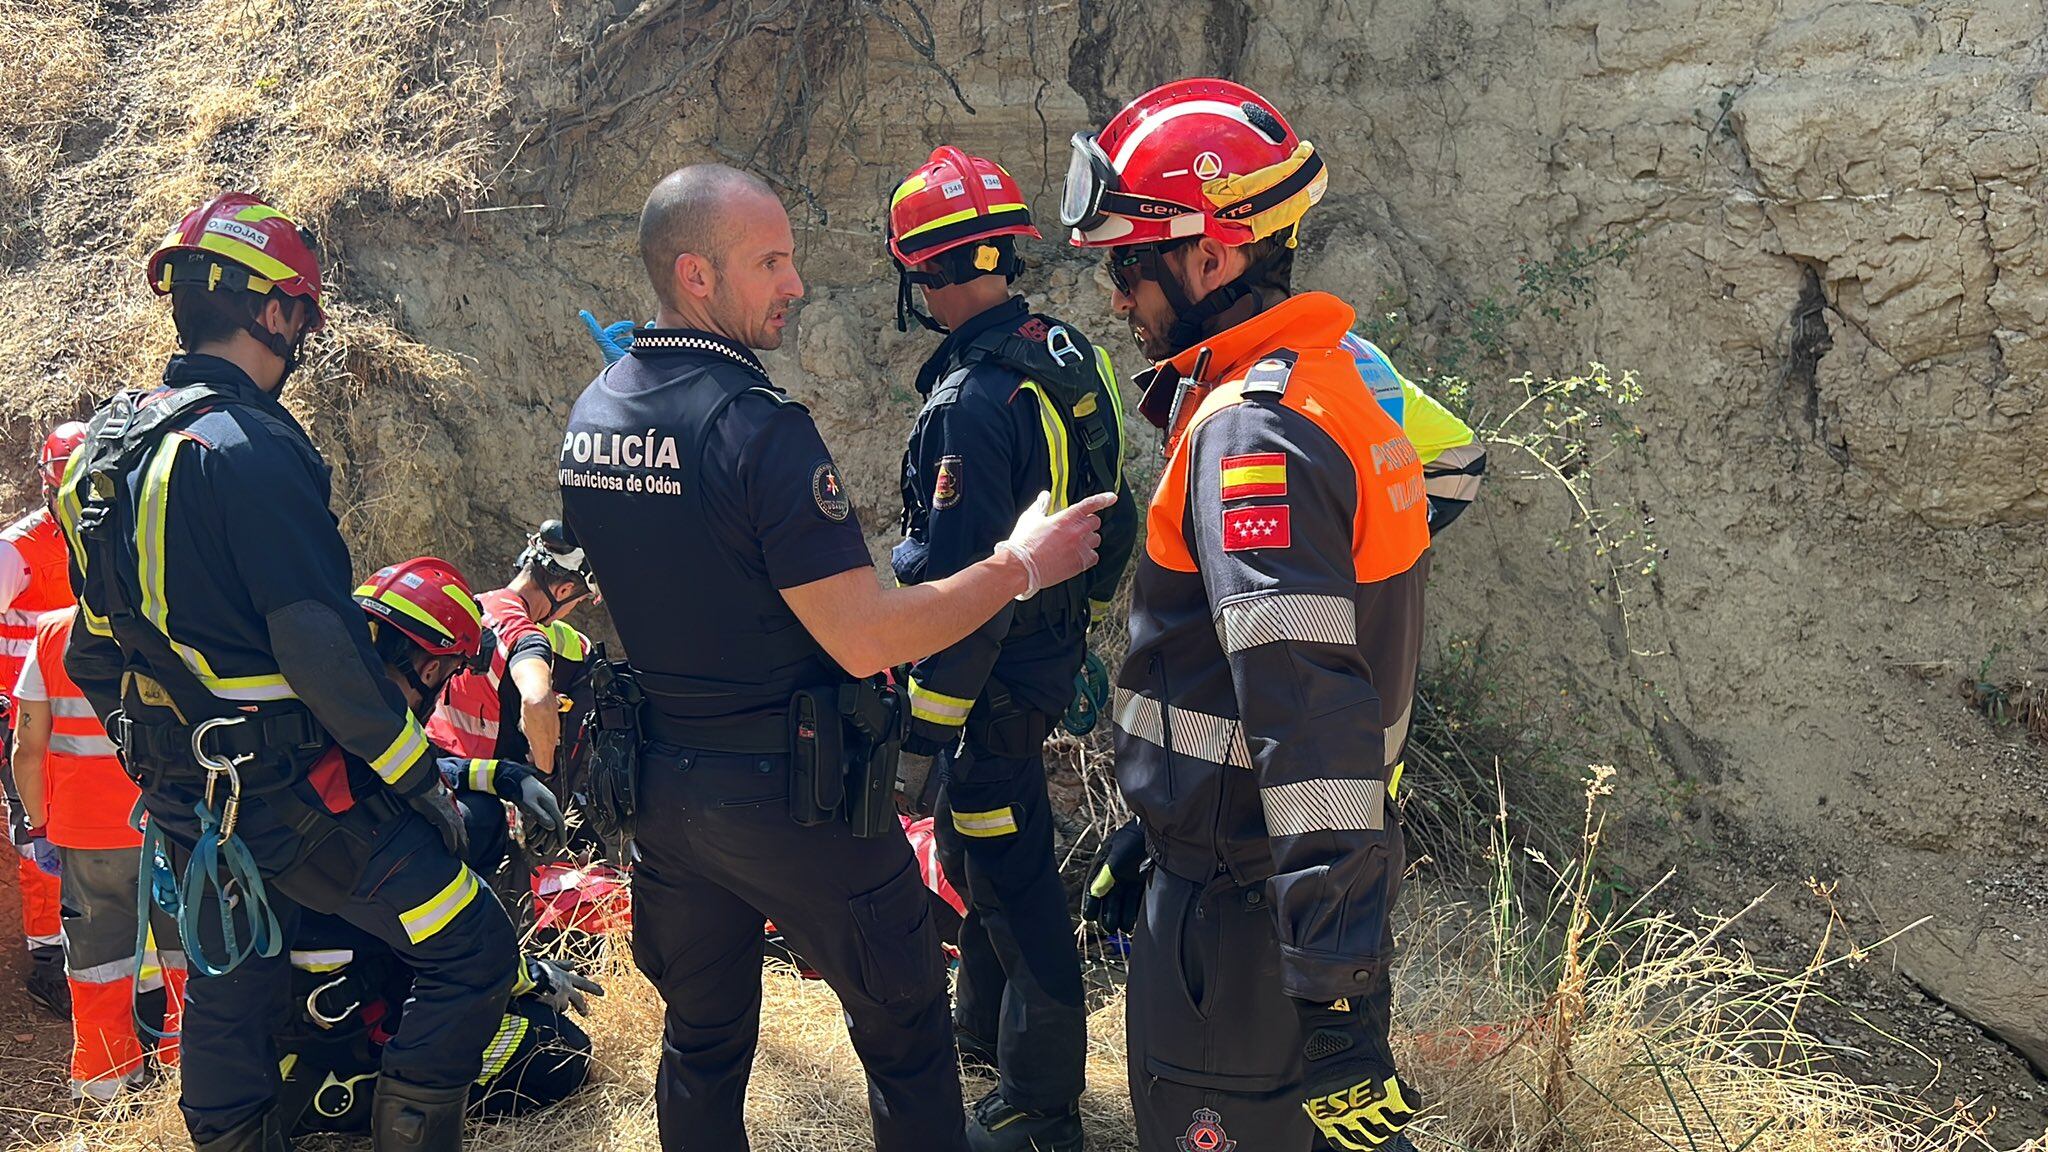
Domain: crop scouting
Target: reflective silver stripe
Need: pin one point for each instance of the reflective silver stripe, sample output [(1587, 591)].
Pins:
[(1325, 806), (326, 960), (1273, 617), (20, 648), (1216, 739), (474, 725), (1397, 735), (107, 973), (64, 745), (72, 707)]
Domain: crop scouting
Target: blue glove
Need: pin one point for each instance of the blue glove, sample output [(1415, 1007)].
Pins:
[(45, 856), (614, 339)]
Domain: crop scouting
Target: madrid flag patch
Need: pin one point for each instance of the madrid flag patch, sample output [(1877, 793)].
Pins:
[(1265, 526), (1260, 474)]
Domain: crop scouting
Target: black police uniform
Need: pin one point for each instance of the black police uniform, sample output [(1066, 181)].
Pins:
[(998, 427), (210, 568), (698, 491)]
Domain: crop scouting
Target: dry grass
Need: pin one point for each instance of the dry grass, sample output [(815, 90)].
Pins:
[(1529, 1026), (114, 122)]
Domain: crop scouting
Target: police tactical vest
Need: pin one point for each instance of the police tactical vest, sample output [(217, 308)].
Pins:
[(708, 638)]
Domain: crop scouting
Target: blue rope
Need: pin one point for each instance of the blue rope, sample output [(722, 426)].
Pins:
[(153, 889), (1091, 696), (242, 886), (156, 886)]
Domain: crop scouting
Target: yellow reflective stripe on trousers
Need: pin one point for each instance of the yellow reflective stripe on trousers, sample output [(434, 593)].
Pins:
[(937, 707), (422, 922), (985, 825), (404, 751), (511, 1030), (1054, 424), (152, 513)]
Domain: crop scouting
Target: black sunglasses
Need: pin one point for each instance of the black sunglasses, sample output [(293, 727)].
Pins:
[(1128, 267)]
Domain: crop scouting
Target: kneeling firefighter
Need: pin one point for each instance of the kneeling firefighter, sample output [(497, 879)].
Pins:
[(221, 650), (351, 992), (1275, 625), (1016, 404)]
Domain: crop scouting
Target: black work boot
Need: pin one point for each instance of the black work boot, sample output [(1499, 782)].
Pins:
[(977, 1056), (1000, 1126), (45, 981), (409, 1118), (264, 1133)]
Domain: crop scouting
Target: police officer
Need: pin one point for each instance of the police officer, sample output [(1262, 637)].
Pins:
[(737, 577), (280, 767), (1016, 403), (1275, 628)]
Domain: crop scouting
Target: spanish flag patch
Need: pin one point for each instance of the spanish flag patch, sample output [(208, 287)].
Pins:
[(1260, 474)]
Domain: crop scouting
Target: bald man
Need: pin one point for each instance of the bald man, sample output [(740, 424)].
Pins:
[(734, 569)]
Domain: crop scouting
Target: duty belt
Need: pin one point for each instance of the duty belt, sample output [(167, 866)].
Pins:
[(766, 735), (160, 749)]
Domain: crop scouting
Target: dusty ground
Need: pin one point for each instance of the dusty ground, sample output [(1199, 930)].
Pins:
[(34, 1047)]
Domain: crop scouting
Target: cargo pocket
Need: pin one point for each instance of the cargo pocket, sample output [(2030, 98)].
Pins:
[(1227, 1026), (898, 949)]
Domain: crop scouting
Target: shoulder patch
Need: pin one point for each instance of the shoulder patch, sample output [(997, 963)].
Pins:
[(1269, 376), (829, 492), (946, 485)]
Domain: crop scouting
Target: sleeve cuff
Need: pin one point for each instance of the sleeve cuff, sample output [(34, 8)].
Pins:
[(1321, 977)]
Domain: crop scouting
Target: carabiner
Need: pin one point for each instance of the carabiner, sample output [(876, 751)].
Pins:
[(218, 766), (321, 1018)]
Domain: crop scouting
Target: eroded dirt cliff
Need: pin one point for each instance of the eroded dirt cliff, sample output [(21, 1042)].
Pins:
[(1834, 291)]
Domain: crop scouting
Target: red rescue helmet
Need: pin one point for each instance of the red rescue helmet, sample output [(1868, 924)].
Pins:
[(62, 441), (960, 214), (238, 242), (954, 199), (428, 601), (1200, 157)]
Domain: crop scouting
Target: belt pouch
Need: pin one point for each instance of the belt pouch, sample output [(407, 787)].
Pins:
[(817, 762)]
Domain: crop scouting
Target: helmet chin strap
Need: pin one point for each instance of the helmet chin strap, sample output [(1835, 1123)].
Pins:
[(1191, 319), (906, 300), (285, 348), (427, 697)]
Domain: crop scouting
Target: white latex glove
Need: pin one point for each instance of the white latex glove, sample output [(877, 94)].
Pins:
[(1054, 549)]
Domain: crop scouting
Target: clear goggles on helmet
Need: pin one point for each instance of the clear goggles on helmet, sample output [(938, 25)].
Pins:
[(1094, 192)]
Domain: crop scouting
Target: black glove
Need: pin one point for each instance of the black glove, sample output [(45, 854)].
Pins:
[(437, 804), (540, 814), (559, 987), (1350, 1091), (1116, 888)]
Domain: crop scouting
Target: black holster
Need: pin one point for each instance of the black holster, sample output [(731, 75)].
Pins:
[(877, 718), (844, 743)]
